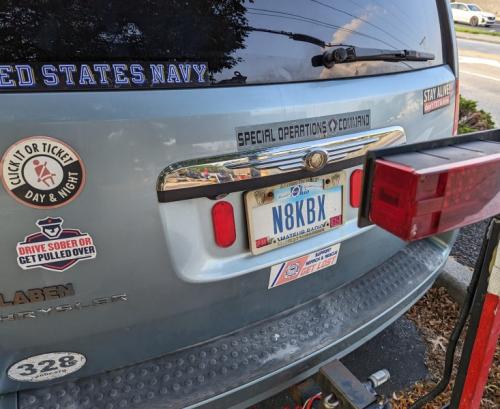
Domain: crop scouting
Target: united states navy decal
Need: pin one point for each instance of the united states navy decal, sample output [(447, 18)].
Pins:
[(101, 75)]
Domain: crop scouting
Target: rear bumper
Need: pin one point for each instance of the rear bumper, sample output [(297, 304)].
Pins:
[(244, 367)]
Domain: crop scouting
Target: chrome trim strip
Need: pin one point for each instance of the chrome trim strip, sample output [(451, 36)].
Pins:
[(244, 166)]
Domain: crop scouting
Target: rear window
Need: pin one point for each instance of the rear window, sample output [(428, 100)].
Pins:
[(230, 36)]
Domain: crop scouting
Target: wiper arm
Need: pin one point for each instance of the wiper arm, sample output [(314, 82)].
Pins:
[(347, 54), (342, 54), (294, 36)]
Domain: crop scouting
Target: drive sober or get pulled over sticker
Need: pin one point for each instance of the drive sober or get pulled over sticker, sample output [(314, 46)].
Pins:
[(53, 247), (437, 97)]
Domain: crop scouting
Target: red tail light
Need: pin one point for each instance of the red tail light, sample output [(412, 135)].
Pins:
[(413, 204), (356, 187), (223, 222), (457, 107)]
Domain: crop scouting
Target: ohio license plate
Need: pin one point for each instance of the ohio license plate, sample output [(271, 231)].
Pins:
[(284, 214)]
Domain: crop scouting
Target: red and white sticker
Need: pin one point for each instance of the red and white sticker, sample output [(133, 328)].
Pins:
[(300, 267), (54, 248), (437, 97)]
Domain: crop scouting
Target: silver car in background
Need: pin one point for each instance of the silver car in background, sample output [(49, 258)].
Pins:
[(471, 14), (181, 183)]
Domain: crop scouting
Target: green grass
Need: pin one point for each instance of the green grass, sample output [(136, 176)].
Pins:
[(472, 119), (474, 30)]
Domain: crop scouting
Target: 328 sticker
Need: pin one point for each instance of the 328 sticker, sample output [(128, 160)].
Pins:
[(46, 366), (42, 172)]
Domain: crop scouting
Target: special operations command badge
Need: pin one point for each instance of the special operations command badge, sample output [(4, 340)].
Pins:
[(42, 172)]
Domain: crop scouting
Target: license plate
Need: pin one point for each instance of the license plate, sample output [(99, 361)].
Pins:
[(284, 214)]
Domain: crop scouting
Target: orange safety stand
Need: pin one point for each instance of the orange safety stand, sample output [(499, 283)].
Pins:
[(484, 327)]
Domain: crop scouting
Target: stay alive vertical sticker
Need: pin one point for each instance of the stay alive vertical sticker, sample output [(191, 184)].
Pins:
[(42, 172), (53, 247)]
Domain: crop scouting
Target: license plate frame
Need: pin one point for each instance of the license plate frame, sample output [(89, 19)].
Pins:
[(260, 213)]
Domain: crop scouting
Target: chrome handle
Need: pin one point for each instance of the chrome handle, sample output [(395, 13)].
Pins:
[(253, 169)]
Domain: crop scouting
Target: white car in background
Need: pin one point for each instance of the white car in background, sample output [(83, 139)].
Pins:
[(471, 14)]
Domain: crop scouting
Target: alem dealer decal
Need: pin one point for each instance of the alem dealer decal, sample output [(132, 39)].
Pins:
[(34, 295), (42, 172), (54, 248)]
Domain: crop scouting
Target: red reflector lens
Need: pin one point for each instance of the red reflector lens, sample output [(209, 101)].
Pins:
[(223, 222), (415, 204), (356, 186)]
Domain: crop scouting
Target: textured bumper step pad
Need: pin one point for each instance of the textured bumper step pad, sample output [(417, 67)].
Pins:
[(209, 369)]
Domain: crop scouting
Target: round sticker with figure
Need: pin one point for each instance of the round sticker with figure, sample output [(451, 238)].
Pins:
[(42, 172)]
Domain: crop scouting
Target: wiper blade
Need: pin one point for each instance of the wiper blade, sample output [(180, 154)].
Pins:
[(347, 54), (342, 54), (305, 38)]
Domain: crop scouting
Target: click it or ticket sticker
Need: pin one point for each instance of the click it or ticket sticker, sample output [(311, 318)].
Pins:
[(300, 267), (42, 172)]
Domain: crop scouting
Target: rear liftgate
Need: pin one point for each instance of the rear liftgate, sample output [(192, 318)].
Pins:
[(419, 190)]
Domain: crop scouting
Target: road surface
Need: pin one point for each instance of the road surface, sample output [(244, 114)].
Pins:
[(480, 74), (493, 27)]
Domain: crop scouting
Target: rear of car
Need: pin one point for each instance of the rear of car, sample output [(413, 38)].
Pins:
[(181, 188), (472, 14)]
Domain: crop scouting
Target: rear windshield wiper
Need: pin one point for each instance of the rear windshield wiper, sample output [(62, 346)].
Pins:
[(342, 54), (346, 54)]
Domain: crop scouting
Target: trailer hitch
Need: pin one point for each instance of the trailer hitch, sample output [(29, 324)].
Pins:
[(342, 390), (335, 387)]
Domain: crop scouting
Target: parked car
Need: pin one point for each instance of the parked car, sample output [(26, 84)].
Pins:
[(181, 184), (471, 14)]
